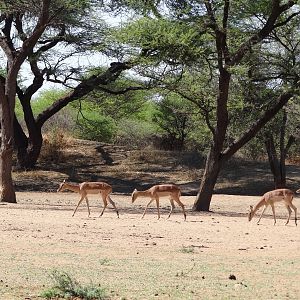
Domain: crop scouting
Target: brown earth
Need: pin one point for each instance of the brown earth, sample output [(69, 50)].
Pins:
[(127, 169), (136, 258)]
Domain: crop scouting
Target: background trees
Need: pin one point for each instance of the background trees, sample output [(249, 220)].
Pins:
[(217, 41), (222, 68)]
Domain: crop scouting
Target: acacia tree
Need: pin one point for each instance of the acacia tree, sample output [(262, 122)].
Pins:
[(77, 31), (25, 35), (15, 58), (217, 36)]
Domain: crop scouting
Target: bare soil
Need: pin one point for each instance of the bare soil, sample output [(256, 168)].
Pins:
[(136, 258)]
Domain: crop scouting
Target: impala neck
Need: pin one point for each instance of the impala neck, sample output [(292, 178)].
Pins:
[(261, 203), (71, 187), (142, 193)]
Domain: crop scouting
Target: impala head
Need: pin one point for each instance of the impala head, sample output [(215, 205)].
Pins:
[(134, 195), (251, 213), (61, 186)]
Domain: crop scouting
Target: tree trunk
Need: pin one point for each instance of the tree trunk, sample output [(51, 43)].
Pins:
[(7, 191), (208, 182), (6, 183), (28, 156), (277, 166), (28, 148)]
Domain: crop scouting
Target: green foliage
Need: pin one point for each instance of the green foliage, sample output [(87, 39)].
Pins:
[(163, 39), (46, 99), (135, 133), (66, 287), (175, 118), (94, 126)]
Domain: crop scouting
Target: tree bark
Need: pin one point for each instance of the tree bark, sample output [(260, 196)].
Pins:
[(209, 179), (214, 158), (7, 191)]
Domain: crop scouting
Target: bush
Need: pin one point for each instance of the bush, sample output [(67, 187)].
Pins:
[(135, 133), (67, 287), (96, 127), (54, 143)]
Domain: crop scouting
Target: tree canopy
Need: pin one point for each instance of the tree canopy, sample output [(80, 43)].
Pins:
[(234, 63)]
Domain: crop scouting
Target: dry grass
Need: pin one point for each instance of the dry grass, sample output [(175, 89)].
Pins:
[(54, 144), (148, 259)]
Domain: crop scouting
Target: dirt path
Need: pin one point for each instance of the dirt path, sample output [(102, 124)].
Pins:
[(149, 258)]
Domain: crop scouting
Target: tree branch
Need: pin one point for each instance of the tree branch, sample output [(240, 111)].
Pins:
[(254, 129), (276, 11), (83, 89)]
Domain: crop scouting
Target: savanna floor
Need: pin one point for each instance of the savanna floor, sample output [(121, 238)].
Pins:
[(136, 258)]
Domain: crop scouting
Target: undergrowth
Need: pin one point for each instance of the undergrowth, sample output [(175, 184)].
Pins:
[(67, 288)]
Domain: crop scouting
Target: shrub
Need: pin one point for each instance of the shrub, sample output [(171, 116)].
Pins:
[(67, 287), (54, 143), (135, 133), (96, 127)]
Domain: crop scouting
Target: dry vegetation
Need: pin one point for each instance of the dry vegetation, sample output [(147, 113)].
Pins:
[(148, 259), (216, 255)]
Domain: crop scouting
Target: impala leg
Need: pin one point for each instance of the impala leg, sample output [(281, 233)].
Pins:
[(87, 203), (262, 214), (182, 206), (295, 210), (157, 205), (147, 207), (81, 199), (290, 212), (104, 205), (172, 207), (113, 204), (273, 210)]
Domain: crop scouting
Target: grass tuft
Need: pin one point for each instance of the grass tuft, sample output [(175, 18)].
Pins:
[(188, 249), (66, 287)]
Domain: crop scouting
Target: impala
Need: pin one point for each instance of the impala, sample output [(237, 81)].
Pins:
[(279, 195), (85, 188), (157, 191)]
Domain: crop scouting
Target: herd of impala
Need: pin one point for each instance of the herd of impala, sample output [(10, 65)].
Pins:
[(173, 192)]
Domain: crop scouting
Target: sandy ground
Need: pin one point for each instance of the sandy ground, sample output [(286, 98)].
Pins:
[(136, 258)]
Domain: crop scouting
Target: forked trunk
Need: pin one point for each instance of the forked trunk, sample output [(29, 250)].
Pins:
[(28, 148), (28, 156)]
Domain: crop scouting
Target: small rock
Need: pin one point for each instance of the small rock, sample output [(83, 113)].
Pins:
[(232, 277)]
